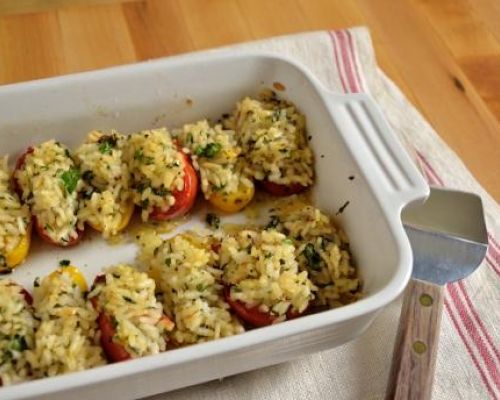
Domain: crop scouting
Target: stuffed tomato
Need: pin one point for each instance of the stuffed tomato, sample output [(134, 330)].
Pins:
[(164, 183), (66, 338), (48, 182), (262, 278), (217, 157), (17, 327), (15, 227), (273, 137), (188, 278), (106, 202), (131, 320)]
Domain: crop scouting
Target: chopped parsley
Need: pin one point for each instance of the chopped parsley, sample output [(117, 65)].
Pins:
[(200, 287), (18, 343), (212, 220), (312, 256), (139, 156), (70, 179), (209, 151), (105, 148), (64, 263), (273, 222)]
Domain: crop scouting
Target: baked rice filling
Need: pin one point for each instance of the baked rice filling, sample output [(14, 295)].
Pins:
[(66, 339), (185, 268), (105, 190), (261, 270), (49, 182), (16, 334), (128, 297), (217, 156), (14, 216), (322, 250), (157, 169), (272, 135)]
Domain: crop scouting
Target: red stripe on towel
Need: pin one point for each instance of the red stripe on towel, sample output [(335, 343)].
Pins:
[(337, 57), (474, 334), (469, 349), (476, 317)]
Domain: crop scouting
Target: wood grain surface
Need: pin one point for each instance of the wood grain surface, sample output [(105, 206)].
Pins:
[(444, 54), (415, 348)]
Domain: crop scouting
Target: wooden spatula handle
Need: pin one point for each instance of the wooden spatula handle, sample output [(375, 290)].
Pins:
[(414, 358)]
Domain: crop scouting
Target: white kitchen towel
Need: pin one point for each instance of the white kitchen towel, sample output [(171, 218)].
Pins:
[(468, 357)]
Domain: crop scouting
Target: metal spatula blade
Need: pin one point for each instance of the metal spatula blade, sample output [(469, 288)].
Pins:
[(449, 240), (447, 234)]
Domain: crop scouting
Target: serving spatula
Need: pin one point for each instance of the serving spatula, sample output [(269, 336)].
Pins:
[(449, 240)]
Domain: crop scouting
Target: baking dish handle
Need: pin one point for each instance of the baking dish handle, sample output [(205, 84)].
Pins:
[(390, 172)]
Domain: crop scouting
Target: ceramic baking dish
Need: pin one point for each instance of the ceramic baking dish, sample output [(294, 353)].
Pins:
[(358, 160)]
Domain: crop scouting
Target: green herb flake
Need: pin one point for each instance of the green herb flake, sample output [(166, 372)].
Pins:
[(70, 179), (312, 256), (105, 147), (200, 287), (64, 263), (273, 222), (36, 282), (209, 151), (212, 220), (168, 262), (18, 343)]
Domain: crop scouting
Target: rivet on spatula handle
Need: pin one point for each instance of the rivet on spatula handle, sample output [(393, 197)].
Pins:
[(414, 358)]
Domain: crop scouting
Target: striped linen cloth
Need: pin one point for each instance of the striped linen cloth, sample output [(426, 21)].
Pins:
[(468, 358)]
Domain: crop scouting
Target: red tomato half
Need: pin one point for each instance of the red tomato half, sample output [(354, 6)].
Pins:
[(19, 164), (277, 189), (252, 315), (27, 296), (46, 238), (184, 199), (114, 352)]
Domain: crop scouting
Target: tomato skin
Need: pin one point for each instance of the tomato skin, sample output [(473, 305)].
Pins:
[(184, 199), (46, 238), (27, 296), (280, 190), (114, 352), (19, 164), (253, 315)]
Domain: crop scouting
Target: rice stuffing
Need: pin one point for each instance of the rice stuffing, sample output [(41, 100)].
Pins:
[(272, 134), (14, 218), (322, 250), (261, 270), (105, 189), (16, 333), (127, 296), (66, 339), (157, 170), (49, 182), (185, 268), (217, 156)]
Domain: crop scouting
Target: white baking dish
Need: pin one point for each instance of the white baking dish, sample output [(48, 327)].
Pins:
[(349, 138)]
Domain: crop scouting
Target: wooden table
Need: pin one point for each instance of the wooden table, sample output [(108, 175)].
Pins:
[(444, 54)]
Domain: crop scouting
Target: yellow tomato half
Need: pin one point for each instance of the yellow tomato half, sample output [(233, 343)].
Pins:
[(19, 253), (233, 202)]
